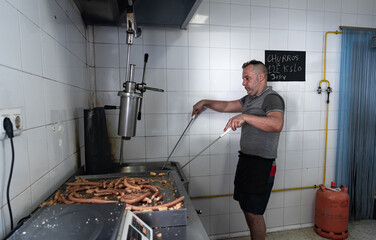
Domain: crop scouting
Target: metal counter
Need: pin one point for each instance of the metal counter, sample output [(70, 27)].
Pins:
[(194, 228)]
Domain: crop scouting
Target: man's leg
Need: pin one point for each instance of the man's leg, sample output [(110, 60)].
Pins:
[(256, 225)]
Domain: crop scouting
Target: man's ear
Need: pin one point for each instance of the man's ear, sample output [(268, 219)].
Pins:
[(261, 77)]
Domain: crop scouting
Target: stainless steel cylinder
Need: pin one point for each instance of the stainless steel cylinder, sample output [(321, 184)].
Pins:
[(129, 103)]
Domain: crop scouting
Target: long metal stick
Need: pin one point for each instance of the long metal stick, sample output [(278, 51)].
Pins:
[(193, 118), (203, 150)]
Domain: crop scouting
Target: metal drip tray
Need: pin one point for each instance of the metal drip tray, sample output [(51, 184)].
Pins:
[(76, 221), (137, 167)]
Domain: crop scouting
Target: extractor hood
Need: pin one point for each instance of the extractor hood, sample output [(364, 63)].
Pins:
[(155, 13)]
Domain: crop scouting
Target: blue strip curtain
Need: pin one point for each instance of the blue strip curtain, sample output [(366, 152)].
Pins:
[(356, 140)]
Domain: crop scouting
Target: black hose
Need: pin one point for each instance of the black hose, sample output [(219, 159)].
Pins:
[(8, 126)]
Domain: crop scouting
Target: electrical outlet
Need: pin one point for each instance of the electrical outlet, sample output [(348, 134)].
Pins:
[(15, 117)]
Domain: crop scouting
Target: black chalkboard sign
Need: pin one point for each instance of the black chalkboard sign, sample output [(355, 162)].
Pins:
[(285, 65)]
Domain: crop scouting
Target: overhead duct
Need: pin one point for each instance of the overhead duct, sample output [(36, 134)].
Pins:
[(155, 13)]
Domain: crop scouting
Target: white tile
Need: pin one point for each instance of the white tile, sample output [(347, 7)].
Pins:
[(238, 222), (311, 158), (219, 14), (348, 19), (295, 101), (206, 223), (239, 38), (219, 164), (219, 81), (219, 37), (21, 175), (236, 83), (311, 121), (200, 166), (331, 21), (220, 224), (52, 101), (260, 17), (177, 102), (297, 20), (198, 80), (294, 160), (137, 56), (220, 58), (311, 140), (21, 206), (293, 178), (278, 39), (177, 80), (11, 88), (54, 144), (315, 21), (177, 57), (260, 3), (201, 125), (154, 36), (154, 78), (240, 15), (176, 37), (53, 20), (276, 199), (333, 5), (365, 6), (31, 50), (107, 79), (295, 121), (156, 147), (177, 124), (155, 102), (310, 176), (219, 205), (279, 3), (365, 20), (274, 217), (133, 149), (294, 141), (291, 215), (198, 36), (203, 205), (349, 6), (279, 18), (292, 198), (30, 9), (49, 64), (308, 196), (307, 214), (219, 184), (259, 38), (312, 101), (157, 56), (198, 143), (106, 55), (181, 149), (297, 40), (298, 4), (37, 142), (199, 186), (155, 125), (106, 34), (40, 191), (241, 2), (313, 62), (34, 100), (199, 58)]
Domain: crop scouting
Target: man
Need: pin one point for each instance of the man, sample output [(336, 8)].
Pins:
[(261, 120)]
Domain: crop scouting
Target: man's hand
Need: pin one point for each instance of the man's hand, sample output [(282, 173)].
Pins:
[(197, 108), (235, 122)]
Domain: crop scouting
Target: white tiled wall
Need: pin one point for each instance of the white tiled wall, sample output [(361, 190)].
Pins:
[(43, 72), (205, 62)]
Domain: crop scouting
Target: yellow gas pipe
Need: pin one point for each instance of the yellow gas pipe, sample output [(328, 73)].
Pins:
[(326, 133)]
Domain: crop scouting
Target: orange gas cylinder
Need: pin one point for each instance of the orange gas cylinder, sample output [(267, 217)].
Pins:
[(332, 212)]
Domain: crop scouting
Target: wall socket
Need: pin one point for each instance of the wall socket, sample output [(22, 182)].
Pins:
[(14, 114)]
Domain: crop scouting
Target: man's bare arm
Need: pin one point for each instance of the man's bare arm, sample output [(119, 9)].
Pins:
[(219, 106)]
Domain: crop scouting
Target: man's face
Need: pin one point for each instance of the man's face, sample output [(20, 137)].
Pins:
[(251, 80)]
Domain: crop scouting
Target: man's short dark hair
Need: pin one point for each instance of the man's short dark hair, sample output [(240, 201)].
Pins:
[(257, 64)]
